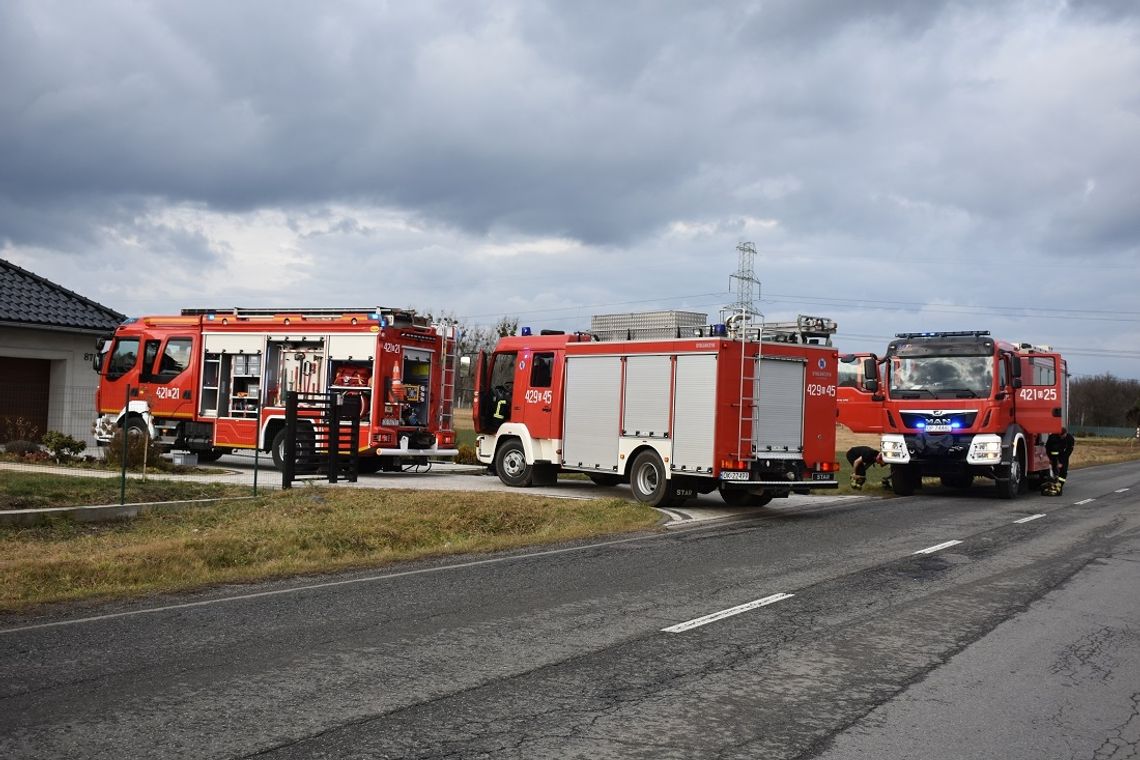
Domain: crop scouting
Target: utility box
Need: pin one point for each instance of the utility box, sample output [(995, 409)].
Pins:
[(184, 458)]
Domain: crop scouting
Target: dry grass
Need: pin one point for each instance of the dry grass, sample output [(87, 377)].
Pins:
[(306, 530)]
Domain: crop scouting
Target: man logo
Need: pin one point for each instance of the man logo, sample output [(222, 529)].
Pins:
[(823, 363)]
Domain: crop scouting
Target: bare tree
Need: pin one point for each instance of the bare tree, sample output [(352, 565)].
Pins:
[(1103, 401)]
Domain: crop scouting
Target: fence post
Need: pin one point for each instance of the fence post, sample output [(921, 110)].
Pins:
[(334, 437), (289, 458), (256, 451), (126, 449)]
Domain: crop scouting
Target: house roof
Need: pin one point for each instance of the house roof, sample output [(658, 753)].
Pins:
[(28, 299)]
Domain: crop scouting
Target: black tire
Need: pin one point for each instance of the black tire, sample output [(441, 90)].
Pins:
[(212, 455), (960, 481), (1011, 479), (304, 446), (740, 498), (369, 465), (905, 479), (647, 478), (135, 426), (510, 464), (603, 479)]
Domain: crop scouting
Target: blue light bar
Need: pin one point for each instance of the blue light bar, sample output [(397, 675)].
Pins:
[(525, 332)]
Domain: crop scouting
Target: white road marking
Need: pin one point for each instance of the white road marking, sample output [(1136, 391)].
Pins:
[(698, 622), (939, 547), (1031, 518), (1082, 501), (1121, 490)]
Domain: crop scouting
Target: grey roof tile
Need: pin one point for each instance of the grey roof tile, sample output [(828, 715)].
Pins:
[(29, 299)]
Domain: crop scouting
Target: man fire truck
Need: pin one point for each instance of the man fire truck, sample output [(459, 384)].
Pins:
[(211, 381), (748, 411), (957, 405)]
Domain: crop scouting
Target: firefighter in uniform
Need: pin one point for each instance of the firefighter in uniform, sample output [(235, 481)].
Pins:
[(1059, 447), (862, 457)]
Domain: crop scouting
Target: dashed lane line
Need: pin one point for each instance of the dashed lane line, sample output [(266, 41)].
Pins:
[(937, 547), (1083, 501), (1122, 490), (712, 618), (1031, 518)]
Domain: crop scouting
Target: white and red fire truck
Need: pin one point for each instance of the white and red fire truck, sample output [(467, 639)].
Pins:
[(211, 381), (957, 405), (749, 412)]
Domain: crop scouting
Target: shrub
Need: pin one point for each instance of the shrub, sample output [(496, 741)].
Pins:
[(63, 447), (139, 448), (19, 429), (466, 455), (21, 448)]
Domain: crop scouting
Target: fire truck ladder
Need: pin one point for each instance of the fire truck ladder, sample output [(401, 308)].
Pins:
[(448, 377)]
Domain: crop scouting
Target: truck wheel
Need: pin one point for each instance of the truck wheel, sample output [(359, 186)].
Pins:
[(648, 481), (510, 463), (905, 479), (134, 426), (304, 447), (741, 498), (369, 465), (1009, 483), (212, 455), (602, 479)]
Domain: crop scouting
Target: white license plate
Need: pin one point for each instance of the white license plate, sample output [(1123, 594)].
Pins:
[(938, 428), (733, 475)]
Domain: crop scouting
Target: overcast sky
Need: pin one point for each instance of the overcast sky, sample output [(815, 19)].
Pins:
[(899, 166)]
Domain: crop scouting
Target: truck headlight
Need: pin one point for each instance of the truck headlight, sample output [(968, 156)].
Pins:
[(984, 449), (894, 449)]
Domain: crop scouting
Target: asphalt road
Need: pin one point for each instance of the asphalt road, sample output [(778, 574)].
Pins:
[(835, 638)]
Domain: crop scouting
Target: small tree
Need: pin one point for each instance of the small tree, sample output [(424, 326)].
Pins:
[(63, 447)]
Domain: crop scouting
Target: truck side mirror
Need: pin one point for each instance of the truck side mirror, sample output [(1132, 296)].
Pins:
[(1015, 368), (871, 374)]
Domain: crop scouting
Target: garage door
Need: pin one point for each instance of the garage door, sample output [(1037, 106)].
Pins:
[(23, 396)]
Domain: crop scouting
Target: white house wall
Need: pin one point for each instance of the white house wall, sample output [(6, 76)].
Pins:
[(71, 400)]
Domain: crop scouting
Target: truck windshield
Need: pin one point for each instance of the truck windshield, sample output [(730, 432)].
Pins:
[(942, 376)]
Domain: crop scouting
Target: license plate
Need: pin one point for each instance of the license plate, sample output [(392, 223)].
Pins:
[(821, 476), (733, 475), (938, 428)]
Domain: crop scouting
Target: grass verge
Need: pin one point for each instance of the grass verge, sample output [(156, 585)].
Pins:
[(33, 490), (304, 530)]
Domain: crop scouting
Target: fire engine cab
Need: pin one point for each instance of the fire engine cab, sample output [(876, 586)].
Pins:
[(746, 411), (957, 405), (214, 380)]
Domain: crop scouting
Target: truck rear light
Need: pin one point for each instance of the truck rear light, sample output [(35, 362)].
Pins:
[(827, 467), (445, 437), (733, 464)]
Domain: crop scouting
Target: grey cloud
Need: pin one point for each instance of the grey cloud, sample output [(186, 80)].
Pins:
[(866, 128)]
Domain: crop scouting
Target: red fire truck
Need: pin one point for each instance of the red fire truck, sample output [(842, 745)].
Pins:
[(211, 381), (957, 405), (749, 412)]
